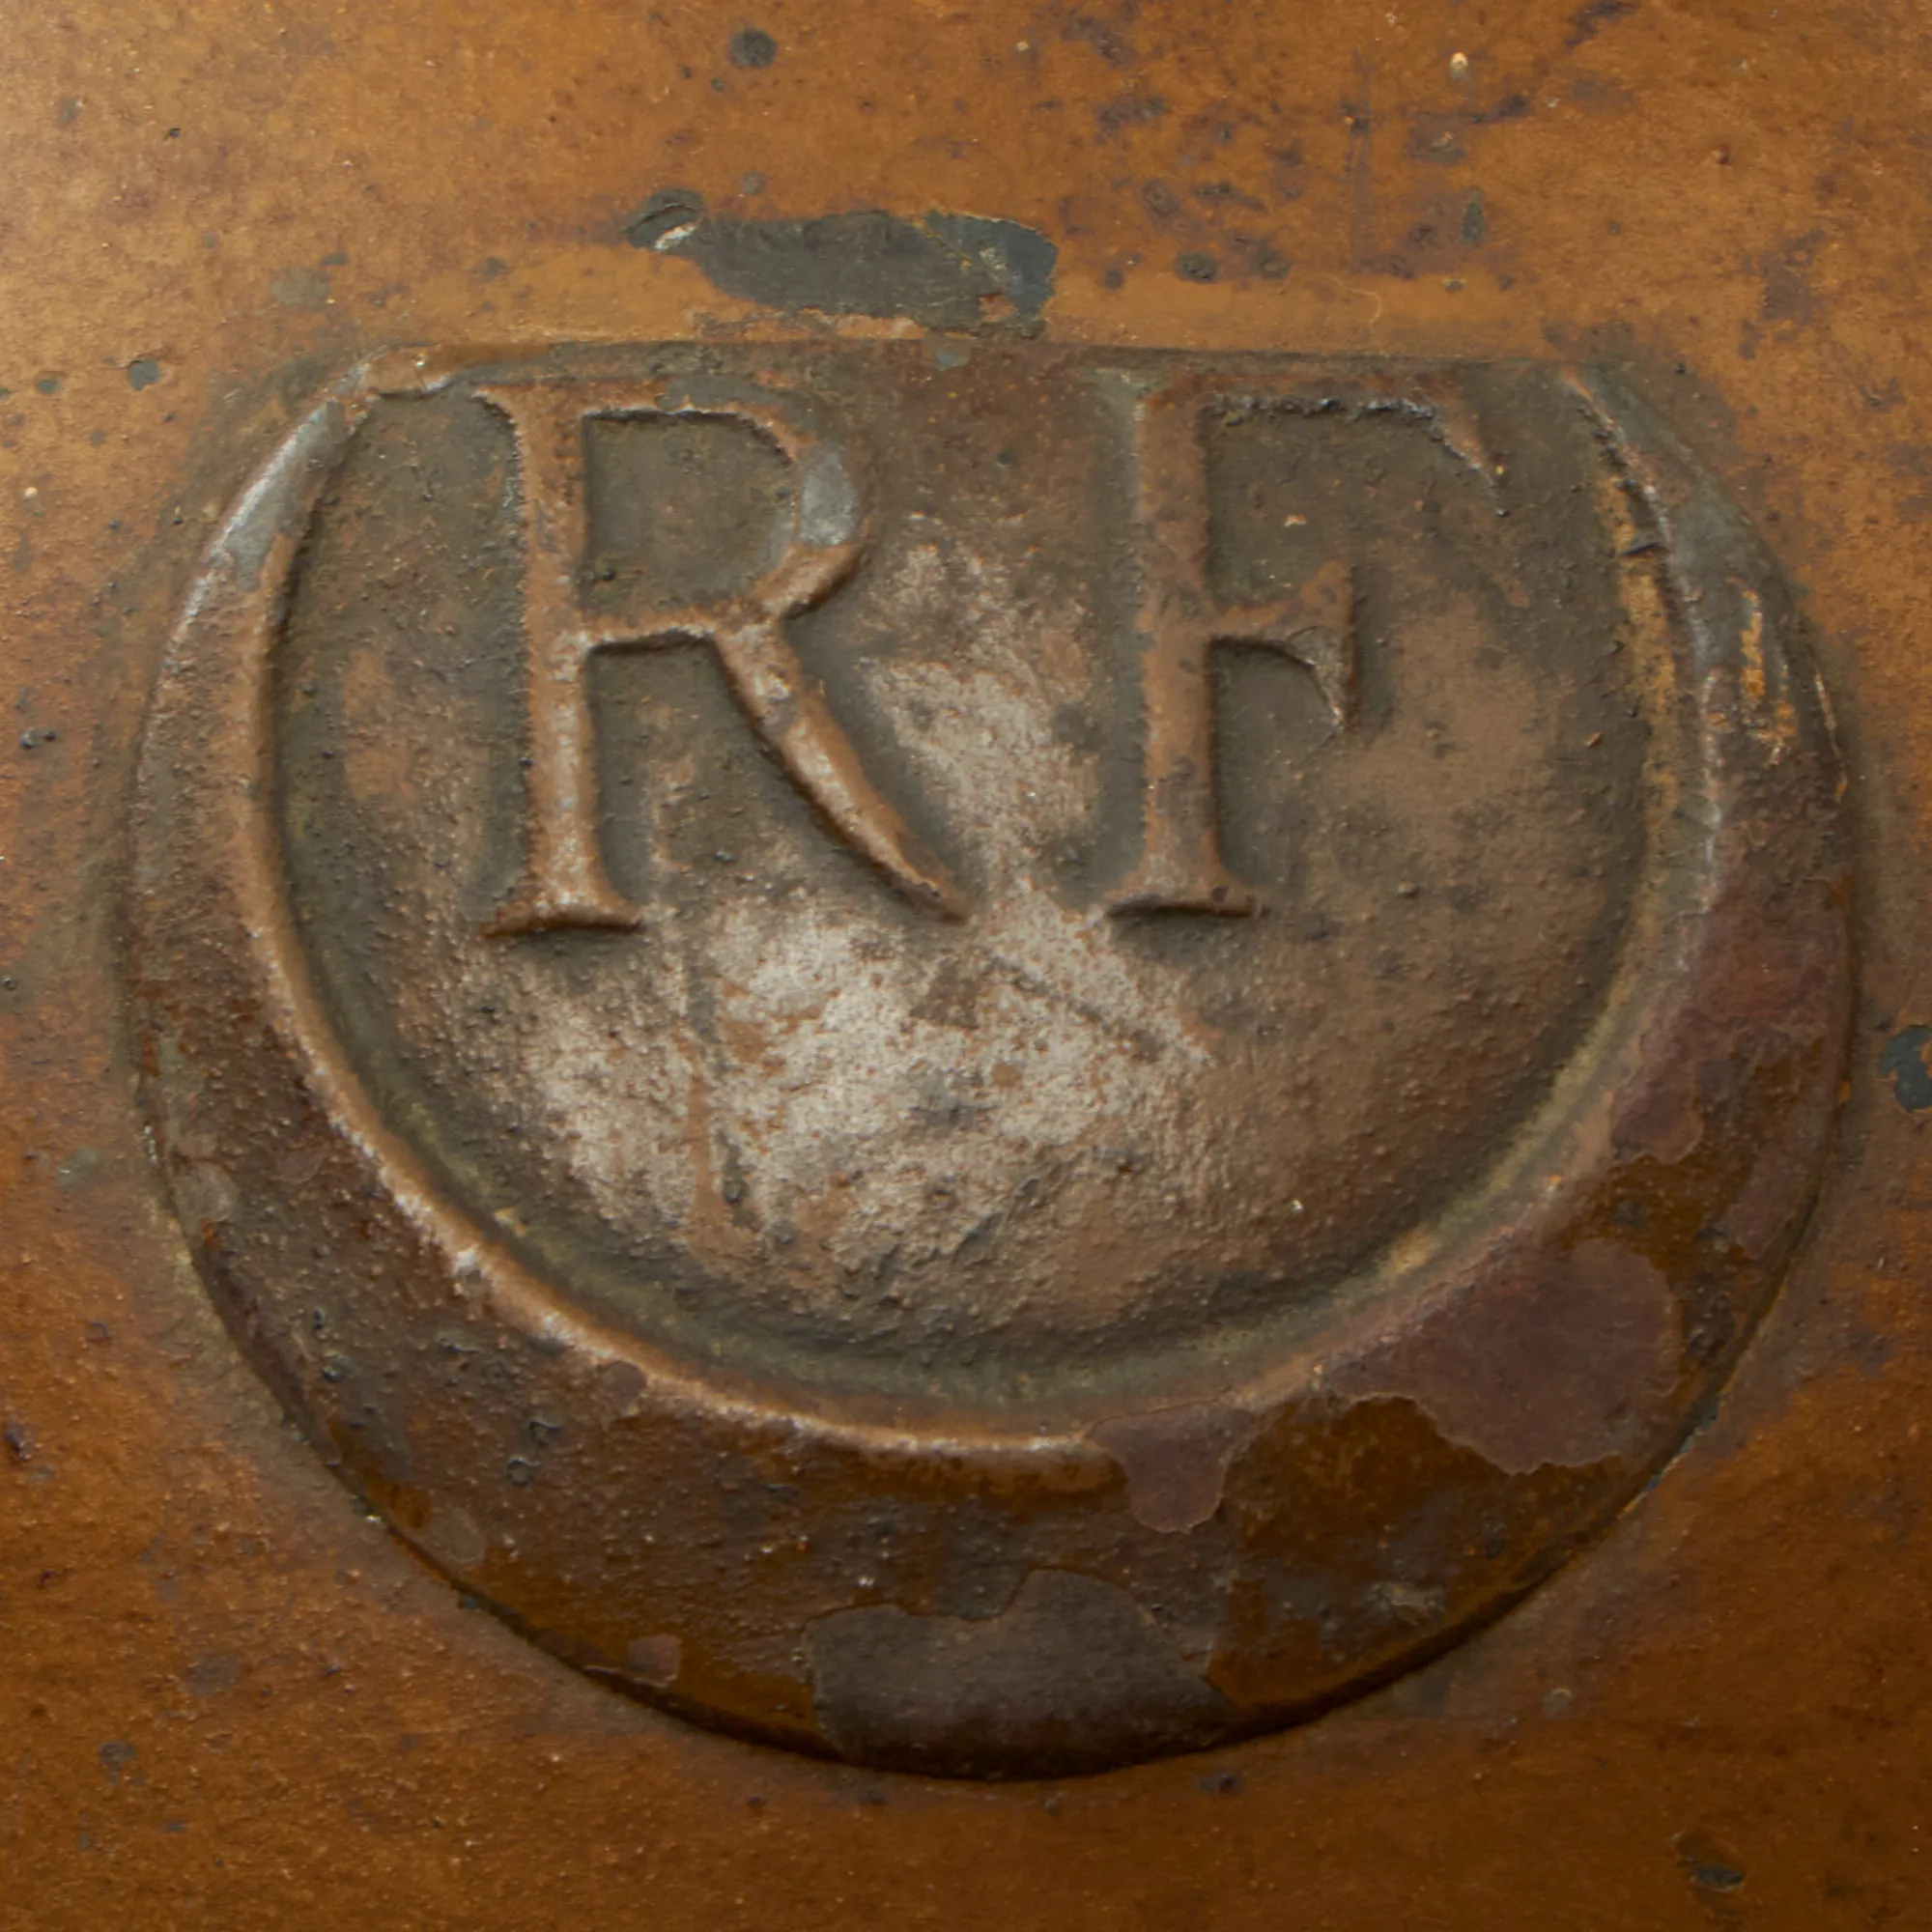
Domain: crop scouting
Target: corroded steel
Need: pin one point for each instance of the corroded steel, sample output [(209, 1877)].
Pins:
[(967, 875), (1014, 1324)]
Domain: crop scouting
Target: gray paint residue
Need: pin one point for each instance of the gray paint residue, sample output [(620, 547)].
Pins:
[(1906, 1064), (943, 271), (1072, 1672)]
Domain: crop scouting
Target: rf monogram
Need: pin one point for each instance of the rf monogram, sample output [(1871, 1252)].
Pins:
[(564, 882), (1180, 624)]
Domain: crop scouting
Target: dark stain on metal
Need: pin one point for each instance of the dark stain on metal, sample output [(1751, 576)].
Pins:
[(752, 47), (944, 270), (1115, 118), (1591, 18), (1106, 40), (1907, 1063), (1073, 1674), (1786, 270), (1707, 1868)]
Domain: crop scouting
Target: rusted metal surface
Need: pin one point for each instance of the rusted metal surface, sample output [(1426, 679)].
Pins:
[(1026, 949), (1006, 1314)]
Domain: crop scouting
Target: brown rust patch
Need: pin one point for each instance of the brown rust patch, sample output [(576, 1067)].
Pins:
[(1571, 1365), (1175, 1460)]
